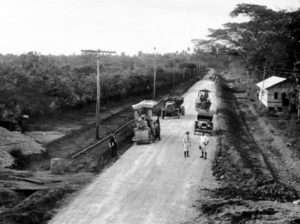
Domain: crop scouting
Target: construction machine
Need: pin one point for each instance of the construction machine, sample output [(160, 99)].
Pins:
[(202, 101), (147, 128), (173, 107)]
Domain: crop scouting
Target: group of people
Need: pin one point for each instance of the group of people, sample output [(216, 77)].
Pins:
[(154, 125), (187, 144)]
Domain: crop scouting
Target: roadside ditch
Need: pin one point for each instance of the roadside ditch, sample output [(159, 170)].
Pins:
[(250, 191)]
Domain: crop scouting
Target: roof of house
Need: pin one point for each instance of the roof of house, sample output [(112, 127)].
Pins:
[(269, 82)]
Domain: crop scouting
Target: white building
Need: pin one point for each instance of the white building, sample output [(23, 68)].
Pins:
[(273, 90)]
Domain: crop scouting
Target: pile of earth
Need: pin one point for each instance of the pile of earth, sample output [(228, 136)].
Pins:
[(236, 211), (37, 208), (14, 145)]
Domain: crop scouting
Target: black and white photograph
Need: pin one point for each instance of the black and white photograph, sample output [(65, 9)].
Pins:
[(149, 112)]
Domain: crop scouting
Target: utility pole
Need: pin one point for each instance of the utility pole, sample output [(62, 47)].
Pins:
[(199, 60), (154, 75), (97, 53), (189, 62), (173, 81)]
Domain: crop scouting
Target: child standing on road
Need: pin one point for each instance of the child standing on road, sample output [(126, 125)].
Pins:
[(187, 143), (203, 144)]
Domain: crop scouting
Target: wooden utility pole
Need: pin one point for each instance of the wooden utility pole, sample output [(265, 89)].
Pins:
[(189, 62), (154, 75), (97, 53), (173, 81)]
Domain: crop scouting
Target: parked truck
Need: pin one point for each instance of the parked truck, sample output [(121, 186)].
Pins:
[(204, 123), (173, 107)]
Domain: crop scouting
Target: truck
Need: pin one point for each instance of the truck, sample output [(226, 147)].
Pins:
[(173, 107), (204, 123), (147, 128)]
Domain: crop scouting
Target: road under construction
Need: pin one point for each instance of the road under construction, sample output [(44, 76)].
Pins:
[(151, 183)]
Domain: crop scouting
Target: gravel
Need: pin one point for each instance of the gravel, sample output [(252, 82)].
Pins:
[(11, 141)]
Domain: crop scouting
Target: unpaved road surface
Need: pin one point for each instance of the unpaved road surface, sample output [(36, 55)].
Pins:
[(151, 183)]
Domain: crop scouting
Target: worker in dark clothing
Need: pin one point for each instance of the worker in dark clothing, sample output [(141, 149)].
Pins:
[(113, 146), (157, 130), (157, 121)]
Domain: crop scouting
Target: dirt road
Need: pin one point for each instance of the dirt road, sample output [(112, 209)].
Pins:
[(150, 183)]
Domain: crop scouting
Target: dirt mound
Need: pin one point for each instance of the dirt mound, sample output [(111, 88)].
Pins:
[(266, 190), (12, 142), (215, 206), (36, 208), (237, 211), (8, 198), (218, 207)]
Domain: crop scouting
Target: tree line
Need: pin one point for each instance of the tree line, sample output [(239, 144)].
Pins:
[(268, 40), (43, 84)]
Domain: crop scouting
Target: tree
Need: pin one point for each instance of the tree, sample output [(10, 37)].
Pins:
[(269, 37)]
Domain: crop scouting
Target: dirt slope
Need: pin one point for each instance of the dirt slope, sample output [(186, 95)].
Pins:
[(249, 191), (150, 183)]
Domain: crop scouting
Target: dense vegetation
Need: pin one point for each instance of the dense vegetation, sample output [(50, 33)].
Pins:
[(41, 84), (268, 39), (38, 84)]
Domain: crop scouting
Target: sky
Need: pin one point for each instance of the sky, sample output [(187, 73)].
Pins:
[(129, 26)]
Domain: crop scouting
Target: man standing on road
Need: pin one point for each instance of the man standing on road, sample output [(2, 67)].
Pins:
[(113, 145), (203, 144), (187, 143), (157, 130)]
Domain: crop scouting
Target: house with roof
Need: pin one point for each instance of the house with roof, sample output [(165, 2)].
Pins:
[(274, 92)]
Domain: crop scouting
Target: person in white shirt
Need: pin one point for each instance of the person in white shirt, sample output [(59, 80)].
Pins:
[(203, 144), (187, 143)]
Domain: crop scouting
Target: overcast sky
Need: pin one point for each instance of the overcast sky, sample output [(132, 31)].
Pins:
[(67, 26)]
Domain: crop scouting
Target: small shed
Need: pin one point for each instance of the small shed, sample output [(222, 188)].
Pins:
[(274, 92)]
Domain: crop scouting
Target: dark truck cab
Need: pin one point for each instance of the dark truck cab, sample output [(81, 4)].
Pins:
[(204, 123), (173, 107)]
